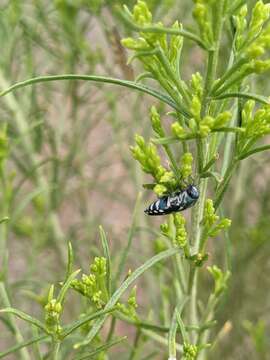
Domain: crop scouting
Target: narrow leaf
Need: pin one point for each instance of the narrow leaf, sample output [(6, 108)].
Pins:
[(131, 233), (66, 286), (22, 345), (84, 320), (254, 151), (106, 251), (100, 79), (101, 348), (70, 260), (25, 317), (259, 98)]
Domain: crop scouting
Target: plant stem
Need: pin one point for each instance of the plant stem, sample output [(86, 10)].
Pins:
[(55, 350), (18, 336)]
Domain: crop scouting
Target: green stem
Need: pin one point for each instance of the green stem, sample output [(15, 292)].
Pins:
[(209, 79), (55, 350), (18, 336)]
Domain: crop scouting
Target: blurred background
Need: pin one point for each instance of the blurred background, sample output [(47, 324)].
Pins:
[(68, 169)]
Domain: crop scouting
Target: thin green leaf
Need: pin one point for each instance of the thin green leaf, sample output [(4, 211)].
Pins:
[(173, 139), (120, 291), (106, 251), (100, 79), (259, 98), (172, 335), (22, 345), (66, 286), (101, 348), (131, 233), (173, 328), (84, 320), (229, 129), (25, 317), (70, 260), (254, 151), (182, 327), (210, 163)]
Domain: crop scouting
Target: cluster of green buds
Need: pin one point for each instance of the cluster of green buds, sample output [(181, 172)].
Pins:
[(190, 351), (180, 238), (93, 286), (220, 278), (198, 126), (147, 156), (254, 125), (213, 225), (158, 52), (253, 39), (130, 309), (202, 14), (53, 310)]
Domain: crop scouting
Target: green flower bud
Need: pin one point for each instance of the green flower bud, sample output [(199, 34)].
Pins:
[(160, 190), (247, 112), (204, 130), (139, 44), (165, 230), (168, 177), (220, 279), (223, 224), (178, 130), (197, 84), (260, 14), (141, 13), (210, 216), (180, 230), (193, 125), (196, 108), (176, 43), (148, 158), (190, 351), (156, 122), (222, 119), (254, 51), (202, 14), (186, 165)]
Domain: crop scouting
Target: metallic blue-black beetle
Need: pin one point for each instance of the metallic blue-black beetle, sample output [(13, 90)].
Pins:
[(175, 202)]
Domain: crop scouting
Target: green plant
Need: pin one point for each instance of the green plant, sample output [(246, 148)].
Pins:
[(215, 126)]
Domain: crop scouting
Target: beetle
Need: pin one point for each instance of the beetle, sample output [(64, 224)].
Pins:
[(178, 201)]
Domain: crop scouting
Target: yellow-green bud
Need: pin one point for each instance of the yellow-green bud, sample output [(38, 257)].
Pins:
[(160, 190), (156, 122), (135, 44), (192, 125), (222, 119), (141, 13), (178, 130), (186, 165)]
